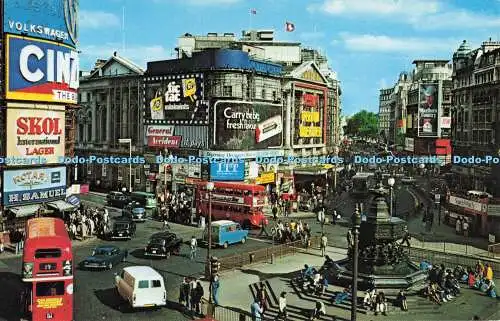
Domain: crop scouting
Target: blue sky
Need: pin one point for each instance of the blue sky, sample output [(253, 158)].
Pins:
[(368, 42)]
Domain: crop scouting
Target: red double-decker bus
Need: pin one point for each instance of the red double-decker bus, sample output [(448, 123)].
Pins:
[(48, 270), (239, 202)]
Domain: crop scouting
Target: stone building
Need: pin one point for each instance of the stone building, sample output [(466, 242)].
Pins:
[(110, 100)]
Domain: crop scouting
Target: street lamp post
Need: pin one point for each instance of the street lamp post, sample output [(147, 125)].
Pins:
[(391, 182), (356, 222), (129, 142), (210, 188)]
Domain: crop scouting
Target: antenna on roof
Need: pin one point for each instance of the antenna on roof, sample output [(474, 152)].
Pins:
[(123, 29)]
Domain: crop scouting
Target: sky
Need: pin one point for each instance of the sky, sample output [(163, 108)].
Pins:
[(367, 42)]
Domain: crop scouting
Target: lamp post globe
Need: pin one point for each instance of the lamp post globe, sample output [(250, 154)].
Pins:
[(391, 181)]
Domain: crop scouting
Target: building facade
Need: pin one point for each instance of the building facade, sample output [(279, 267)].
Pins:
[(475, 113), (386, 113), (428, 121), (110, 102)]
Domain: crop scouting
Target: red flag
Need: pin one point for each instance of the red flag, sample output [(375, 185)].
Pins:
[(253, 11), (289, 27)]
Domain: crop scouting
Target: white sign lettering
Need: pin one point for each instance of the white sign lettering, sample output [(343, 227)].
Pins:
[(160, 131), (39, 29), (241, 120), (462, 202), (173, 93)]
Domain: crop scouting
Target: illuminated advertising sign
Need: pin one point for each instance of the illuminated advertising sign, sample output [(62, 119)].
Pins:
[(227, 171), (40, 70), (164, 141), (35, 132), (175, 100), (243, 125), (55, 20), (38, 185), (428, 110)]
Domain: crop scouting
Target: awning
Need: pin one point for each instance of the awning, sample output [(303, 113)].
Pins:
[(61, 206), (26, 210)]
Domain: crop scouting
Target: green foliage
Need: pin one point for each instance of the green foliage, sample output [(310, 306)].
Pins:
[(363, 124)]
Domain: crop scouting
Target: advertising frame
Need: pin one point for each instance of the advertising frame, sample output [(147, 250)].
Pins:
[(33, 183), (35, 130), (188, 107), (250, 104), (227, 171), (306, 89), (53, 20), (16, 83), (429, 109)]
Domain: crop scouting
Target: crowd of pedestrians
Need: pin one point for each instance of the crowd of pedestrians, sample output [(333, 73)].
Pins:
[(87, 221)]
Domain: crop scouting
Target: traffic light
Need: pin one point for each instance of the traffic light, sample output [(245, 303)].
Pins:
[(214, 265)]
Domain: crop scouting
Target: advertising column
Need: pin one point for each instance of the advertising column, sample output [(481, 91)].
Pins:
[(41, 81)]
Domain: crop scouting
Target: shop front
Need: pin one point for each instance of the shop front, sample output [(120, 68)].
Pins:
[(475, 212)]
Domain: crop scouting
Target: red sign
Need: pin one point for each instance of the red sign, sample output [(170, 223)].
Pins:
[(84, 188), (310, 100), (167, 142), (38, 126)]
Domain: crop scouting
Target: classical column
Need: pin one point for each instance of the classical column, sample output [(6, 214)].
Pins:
[(93, 137), (108, 117)]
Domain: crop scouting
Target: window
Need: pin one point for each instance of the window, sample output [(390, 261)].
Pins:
[(155, 283), (47, 253), (50, 288), (227, 91), (144, 284), (275, 96), (263, 93)]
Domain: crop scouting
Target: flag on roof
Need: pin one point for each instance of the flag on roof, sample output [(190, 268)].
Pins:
[(289, 27), (253, 11)]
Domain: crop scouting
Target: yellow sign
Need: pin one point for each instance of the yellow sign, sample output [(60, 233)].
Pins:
[(265, 178), (308, 132), (49, 303), (189, 88), (312, 75), (310, 116), (409, 121)]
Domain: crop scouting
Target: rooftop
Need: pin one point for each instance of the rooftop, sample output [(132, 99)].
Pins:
[(142, 272), (430, 60)]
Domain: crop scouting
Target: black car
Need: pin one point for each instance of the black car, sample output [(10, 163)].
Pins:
[(117, 199), (123, 228), (104, 257), (163, 244), (134, 211)]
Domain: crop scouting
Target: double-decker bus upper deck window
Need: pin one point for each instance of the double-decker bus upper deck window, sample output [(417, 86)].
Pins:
[(50, 288), (47, 253)]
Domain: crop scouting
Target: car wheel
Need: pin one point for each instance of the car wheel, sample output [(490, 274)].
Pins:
[(110, 265), (225, 245), (243, 240)]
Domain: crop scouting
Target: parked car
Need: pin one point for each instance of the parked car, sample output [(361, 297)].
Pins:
[(134, 211), (117, 199), (141, 286), (123, 228), (147, 200), (105, 257), (225, 232), (408, 180), (163, 244)]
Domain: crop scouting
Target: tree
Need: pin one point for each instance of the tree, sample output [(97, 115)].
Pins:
[(363, 124)]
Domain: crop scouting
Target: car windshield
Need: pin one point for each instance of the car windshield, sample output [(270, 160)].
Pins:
[(157, 241), (121, 226), (102, 252)]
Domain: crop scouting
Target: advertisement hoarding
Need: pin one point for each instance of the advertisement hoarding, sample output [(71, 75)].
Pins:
[(241, 125), (175, 99), (428, 110), (445, 122), (28, 186), (40, 70), (164, 141), (166, 136), (227, 171), (36, 132), (409, 144), (265, 178), (55, 20), (465, 203)]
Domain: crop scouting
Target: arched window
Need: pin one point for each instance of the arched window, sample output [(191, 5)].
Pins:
[(88, 136)]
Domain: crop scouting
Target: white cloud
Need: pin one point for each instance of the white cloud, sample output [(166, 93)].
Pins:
[(139, 54), (98, 19), (421, 14), (383, 43)]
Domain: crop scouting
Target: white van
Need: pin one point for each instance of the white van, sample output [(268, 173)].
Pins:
[(141, 286)]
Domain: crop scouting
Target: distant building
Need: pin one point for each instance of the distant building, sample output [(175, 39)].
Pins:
[(386, 116), (110, 98)]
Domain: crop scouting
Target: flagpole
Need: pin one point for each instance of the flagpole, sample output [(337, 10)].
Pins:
[(251, 14)]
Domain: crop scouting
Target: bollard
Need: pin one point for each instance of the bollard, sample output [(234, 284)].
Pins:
[(252, 257), (272, 258)]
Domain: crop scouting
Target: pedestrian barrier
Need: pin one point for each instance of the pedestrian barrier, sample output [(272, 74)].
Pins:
[(221, 313), (262, 255)]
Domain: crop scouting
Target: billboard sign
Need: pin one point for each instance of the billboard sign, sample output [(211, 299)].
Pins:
[(175, 99), (428, 110), (166, 136), (37, 185), (159, 130), (36, 132), (227, 171), (40, 70), (445, 122), (241, 125), (164, 141), (54, 20)]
